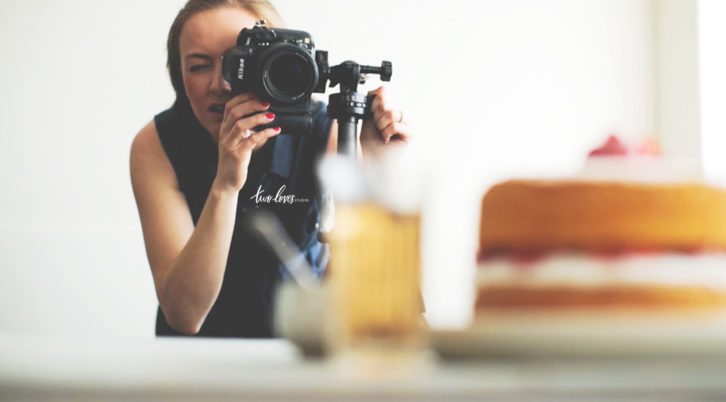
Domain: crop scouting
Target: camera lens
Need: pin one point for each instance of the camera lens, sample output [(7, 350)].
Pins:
[(290, 74)]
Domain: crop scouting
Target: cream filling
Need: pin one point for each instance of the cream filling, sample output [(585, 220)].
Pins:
[(581, 270)]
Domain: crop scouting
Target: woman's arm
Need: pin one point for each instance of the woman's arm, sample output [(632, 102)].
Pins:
[(187, 263)]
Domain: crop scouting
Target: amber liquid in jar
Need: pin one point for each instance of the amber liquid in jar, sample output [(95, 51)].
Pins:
[(375, 274)]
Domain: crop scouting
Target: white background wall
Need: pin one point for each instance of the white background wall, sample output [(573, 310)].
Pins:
[(496, 88), (677, 101), (712, 85)]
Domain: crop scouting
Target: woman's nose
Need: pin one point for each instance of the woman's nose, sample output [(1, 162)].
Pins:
[(219, 84)]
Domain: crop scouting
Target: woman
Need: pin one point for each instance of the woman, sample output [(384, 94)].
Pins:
[(197, 172)]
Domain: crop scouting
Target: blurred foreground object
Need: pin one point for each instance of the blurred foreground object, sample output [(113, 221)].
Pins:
[(375, 273), (375, 267), (630, 258), (580, 242)]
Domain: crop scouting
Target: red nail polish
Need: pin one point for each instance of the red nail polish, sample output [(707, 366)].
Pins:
[(277, 129), (265, 104), (270, 116)]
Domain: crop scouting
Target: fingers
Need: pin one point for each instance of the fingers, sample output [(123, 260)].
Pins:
[(388, 120), (238, 108), (241, 98), (385, 118), (384, 112), (380, 100), (258, 139), (242, 128), (397, 131)]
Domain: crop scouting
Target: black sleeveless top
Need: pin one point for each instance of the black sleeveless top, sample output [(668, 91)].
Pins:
[(244, 305)]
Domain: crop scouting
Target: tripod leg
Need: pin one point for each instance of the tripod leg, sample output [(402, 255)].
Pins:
[(347, 136)]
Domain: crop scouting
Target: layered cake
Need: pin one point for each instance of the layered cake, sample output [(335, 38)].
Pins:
[(632, 239)]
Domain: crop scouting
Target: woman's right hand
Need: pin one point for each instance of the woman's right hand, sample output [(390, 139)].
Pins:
[(236, 139)]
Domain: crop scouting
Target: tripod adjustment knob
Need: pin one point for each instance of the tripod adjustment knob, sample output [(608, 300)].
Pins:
[(386, 71)]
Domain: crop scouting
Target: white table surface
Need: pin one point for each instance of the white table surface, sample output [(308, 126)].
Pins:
[(58, 369)]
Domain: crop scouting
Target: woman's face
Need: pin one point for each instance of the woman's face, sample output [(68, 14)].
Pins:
[(203, 39)]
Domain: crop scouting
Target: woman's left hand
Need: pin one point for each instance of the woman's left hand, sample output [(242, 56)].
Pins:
[(387, 126)]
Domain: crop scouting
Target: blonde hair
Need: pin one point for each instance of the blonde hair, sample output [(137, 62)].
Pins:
[(261, 9)]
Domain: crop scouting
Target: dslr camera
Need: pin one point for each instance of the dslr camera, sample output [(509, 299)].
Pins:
[(282, 67)]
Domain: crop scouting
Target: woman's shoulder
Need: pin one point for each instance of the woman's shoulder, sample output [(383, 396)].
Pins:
[(152, 140), (146, 142), (147, 154)]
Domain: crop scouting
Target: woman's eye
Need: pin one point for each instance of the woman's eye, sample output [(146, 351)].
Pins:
[(198, 67)]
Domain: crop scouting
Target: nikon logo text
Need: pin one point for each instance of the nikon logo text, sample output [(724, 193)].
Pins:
[(241, 70)]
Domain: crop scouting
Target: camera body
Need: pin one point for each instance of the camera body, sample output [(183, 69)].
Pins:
[(282, 67)]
